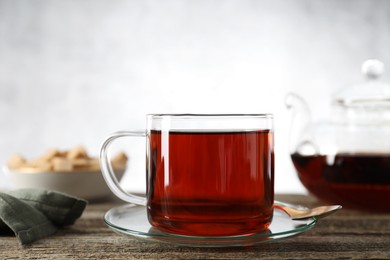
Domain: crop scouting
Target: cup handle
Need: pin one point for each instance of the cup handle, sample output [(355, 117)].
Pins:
[(108, 172)]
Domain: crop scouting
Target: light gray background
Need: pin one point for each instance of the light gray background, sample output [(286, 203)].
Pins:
[(71, 72)]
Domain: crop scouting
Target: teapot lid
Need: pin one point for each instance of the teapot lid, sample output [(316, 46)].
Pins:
[(372, 93)]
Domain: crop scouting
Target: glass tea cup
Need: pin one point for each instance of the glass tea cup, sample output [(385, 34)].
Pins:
[(207, 175)]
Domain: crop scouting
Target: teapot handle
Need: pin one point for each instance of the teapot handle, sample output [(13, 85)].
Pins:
[(300, 121)]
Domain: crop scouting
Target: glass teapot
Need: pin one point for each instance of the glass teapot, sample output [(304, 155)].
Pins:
[(346, 159)]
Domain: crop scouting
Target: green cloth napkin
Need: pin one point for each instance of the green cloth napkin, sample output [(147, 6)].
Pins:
[(33, 214)]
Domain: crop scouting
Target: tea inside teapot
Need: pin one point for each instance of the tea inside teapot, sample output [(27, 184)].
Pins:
[(359, 181)]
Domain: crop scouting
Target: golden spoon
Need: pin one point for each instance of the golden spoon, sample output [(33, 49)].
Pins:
[(298, 212)]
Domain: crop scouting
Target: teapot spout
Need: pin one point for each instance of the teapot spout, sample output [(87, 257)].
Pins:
[(300, 121)]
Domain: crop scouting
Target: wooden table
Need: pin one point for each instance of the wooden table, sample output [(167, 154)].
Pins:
[(346, 234)]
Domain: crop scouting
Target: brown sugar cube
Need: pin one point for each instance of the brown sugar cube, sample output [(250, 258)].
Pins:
[(94, 164), (16, 161), (80, 163), (62, 165), (121, 157), (77, 153), (43, 166), (32, 165), (119, 160), (50, 154), (64, 154)]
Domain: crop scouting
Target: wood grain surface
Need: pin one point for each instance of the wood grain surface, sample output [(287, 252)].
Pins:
[(345, 235)]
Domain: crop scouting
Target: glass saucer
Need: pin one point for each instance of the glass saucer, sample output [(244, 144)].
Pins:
[(131, 220)]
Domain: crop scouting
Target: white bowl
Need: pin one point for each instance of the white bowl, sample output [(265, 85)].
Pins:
[(89, 185)]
